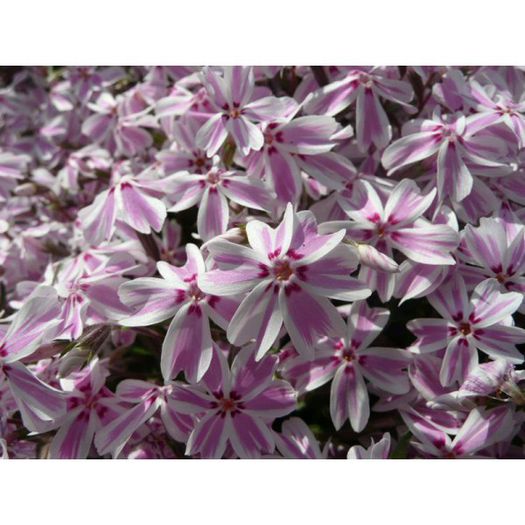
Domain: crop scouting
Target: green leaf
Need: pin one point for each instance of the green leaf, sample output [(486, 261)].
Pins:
[(401, 451)]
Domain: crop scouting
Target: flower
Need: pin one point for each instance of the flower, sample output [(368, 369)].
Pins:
[(135, 403), (500, 110), (292, 145), (497, 251), (235, 406), (297, 441), (397, 224), (481, 322), (231, 96), (366, 87), (290, 272), (178, 295), (348, 359), (458, 153), (87, 409), (35, 322), (117, 123), (379, 450), (481, 429), (212, 191), (134, 201)]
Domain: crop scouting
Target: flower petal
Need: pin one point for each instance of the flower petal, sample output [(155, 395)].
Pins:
[(307, 318), (258, 317), (187, 345), (349, 399)]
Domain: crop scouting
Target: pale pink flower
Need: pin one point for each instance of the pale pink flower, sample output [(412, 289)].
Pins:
[(212, 191), (450, 140), (178, 295), (482, 428), (348, 360), (87, 410), (497, 107), (365, 87), (482, 322), (34, 323), (397, 224), (289, 272), (297, 441), (134, 200), (135, 403), (236, 112), (293, 145), (235, 407), (117, 123), (495, 250)]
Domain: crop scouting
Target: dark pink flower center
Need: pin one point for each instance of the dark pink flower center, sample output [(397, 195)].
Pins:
[(214, 177), (227, 405), (505, 110), (282, 270), (448, 133), (194, 293), (464, 328), (366, 80), (501, 278)]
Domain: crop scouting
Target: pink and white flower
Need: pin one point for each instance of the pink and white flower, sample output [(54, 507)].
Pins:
[(236, 111), (135, 201), (347, 360), (481, 429), (379, 450), (365, 87), (482, 322), (397, 224), (212, 191), (289, 272), (458, 154), (235, 406), (178, 294), (34, 323)]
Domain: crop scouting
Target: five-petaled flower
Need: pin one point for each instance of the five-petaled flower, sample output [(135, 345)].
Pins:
[(235, 406), (481, 322), (290, 272)]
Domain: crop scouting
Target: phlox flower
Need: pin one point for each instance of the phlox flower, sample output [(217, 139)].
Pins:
[(34, 323), (235, 111), (87, 410), (136, 402), (495, 250), (12, 168), (293, 145), (297, 441), (235, 406), (482, 322), (178, 295), (88, 288), (379, 450), (134, 200), (482, 428), (365, 87), (498, 107), (117, 123), (451, 141), (212, 191), (347, 359), (184, 155), (396, 224), (289, 272)]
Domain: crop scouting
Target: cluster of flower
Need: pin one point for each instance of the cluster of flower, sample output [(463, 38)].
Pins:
[(238, 262)]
